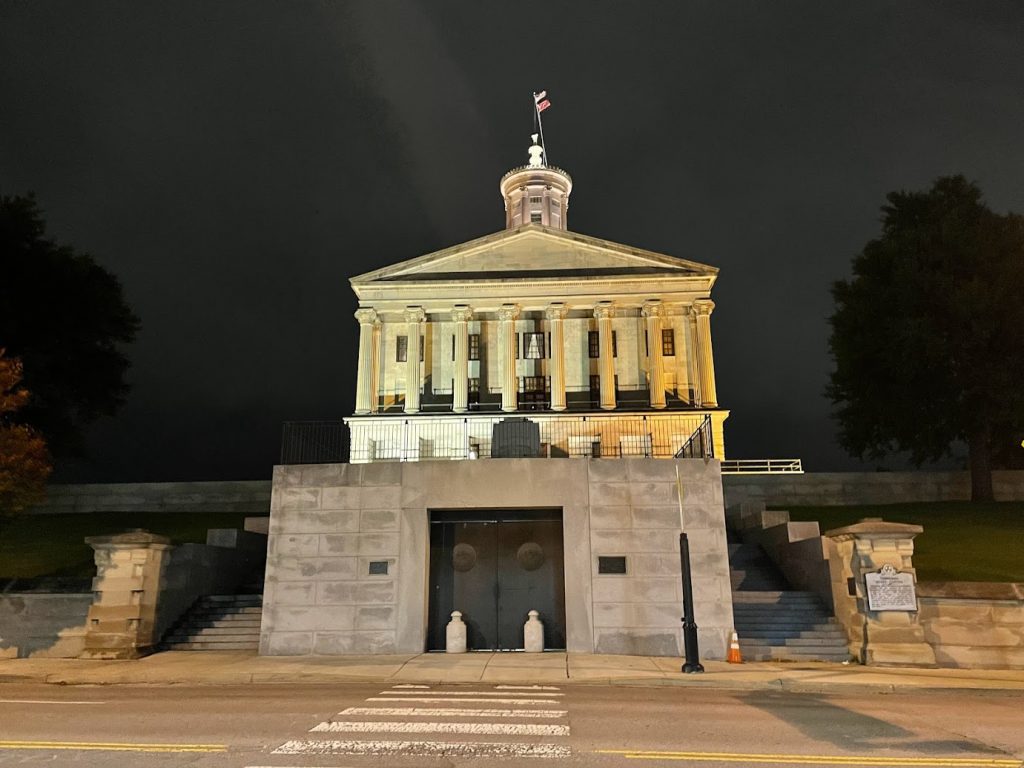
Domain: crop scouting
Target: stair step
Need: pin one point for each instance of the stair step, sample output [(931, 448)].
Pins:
[(781, 628), (207, 646), (218, 631), (795, 642), (231, 598), (247, 610), (201, 623), (769, 632)]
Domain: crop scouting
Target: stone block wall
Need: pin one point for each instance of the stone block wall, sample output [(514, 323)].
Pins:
[(852, 488), (329, 522), (246, 496), (634, 512), (43, 624), (974, 625)]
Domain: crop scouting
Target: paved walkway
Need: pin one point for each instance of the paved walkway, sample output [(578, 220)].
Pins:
[(230, 668)]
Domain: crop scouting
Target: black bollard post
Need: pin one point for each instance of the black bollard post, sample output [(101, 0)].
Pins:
[(689, 625)]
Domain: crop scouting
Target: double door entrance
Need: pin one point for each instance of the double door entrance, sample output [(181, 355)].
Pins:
[(495, 566)]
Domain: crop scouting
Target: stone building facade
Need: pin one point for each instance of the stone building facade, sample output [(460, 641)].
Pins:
[(479, 367)]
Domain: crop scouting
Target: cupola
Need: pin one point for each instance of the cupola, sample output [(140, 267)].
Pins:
[(536, 193)]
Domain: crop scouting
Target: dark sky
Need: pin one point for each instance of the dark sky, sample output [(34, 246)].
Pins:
[(235, 162)]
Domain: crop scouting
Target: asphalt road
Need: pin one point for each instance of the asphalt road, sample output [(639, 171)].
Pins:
[(357, 725)]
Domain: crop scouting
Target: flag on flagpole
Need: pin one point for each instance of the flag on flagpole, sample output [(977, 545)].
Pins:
[(542, 105), (541, 101)]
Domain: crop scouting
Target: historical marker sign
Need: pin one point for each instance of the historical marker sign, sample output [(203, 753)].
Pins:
[(890, 590)]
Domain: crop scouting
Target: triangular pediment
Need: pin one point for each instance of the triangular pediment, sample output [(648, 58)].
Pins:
[(534, 252)]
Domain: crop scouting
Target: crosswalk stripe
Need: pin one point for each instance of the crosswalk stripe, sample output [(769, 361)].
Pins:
[(452, 712), (431, 699), (423, 748), (479, 729), (411, 686), (527, 687), (457, 694)]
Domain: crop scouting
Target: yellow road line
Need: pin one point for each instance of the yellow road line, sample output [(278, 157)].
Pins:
[(788, 759), (112, 746)]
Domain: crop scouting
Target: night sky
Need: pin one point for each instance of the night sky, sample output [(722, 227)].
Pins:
[(235, 162)]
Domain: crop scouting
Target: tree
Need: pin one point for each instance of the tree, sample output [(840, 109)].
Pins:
[(928, 335), (64, 316), (24, 462)]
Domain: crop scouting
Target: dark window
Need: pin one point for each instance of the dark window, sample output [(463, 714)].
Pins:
[(535, 217), (517, 345), (474, 346), (474, 387), (647, 350), (668, 342), (422, 347), (378, 567), (401, 349), (453, 346), (595, 383), (533, 346), (594, 344), (611, 565)]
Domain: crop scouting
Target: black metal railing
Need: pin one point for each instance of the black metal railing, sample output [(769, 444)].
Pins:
[(314, 442), (395, 438), (700, 445)]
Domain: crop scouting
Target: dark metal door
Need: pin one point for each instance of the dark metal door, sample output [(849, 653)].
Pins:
[(530, 578), (495, 567)]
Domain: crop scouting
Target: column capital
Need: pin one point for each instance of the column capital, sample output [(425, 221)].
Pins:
[(462, 313), (415, 315), (653, 308), (604, 309), (508, 311), (703, 307), (556, 311), (367, 316)]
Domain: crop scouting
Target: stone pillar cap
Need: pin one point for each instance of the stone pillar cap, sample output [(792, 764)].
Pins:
[(875, 526), (136, 538)]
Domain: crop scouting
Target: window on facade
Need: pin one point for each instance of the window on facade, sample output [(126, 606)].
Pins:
[(422, 347), (535, 217), (595, 383), (668, 342), (474, 386), (474, 346), (533, 346), (401, 349), (534, 199), (594, 344), (534, 384)]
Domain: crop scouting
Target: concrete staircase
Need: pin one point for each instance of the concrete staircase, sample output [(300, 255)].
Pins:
[(218, 623), (774, 622)]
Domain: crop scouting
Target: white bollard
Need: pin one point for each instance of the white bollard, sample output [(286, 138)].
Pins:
[(455, 634), (533, 634)]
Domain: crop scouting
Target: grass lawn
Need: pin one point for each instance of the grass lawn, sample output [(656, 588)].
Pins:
[(53, 545), (961, 541)]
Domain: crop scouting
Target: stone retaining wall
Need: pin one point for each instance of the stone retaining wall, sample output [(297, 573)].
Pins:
[(974, 624), (42, 624), (854, 488), (246, 496)]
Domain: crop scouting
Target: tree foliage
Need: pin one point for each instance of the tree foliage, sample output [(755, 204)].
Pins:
[(928, 335), (65, 317), (24, 461)]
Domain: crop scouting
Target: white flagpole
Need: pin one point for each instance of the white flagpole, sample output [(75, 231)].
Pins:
[(540, 128)]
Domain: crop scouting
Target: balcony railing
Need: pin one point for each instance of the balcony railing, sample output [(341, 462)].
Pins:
[(482, 437)]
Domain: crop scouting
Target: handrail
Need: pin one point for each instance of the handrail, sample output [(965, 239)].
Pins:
[(762, 466)]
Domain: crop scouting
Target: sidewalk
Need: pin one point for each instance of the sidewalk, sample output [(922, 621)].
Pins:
[(233, 668)]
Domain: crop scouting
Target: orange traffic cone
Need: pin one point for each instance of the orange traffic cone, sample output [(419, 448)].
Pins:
[(734, 656)]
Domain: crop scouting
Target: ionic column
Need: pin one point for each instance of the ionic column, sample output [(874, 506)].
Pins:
[(367, 318), (414, 319), (705, 358), (604, 312), (509, 382), (653, 311), (461, 315), (556, 314)]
